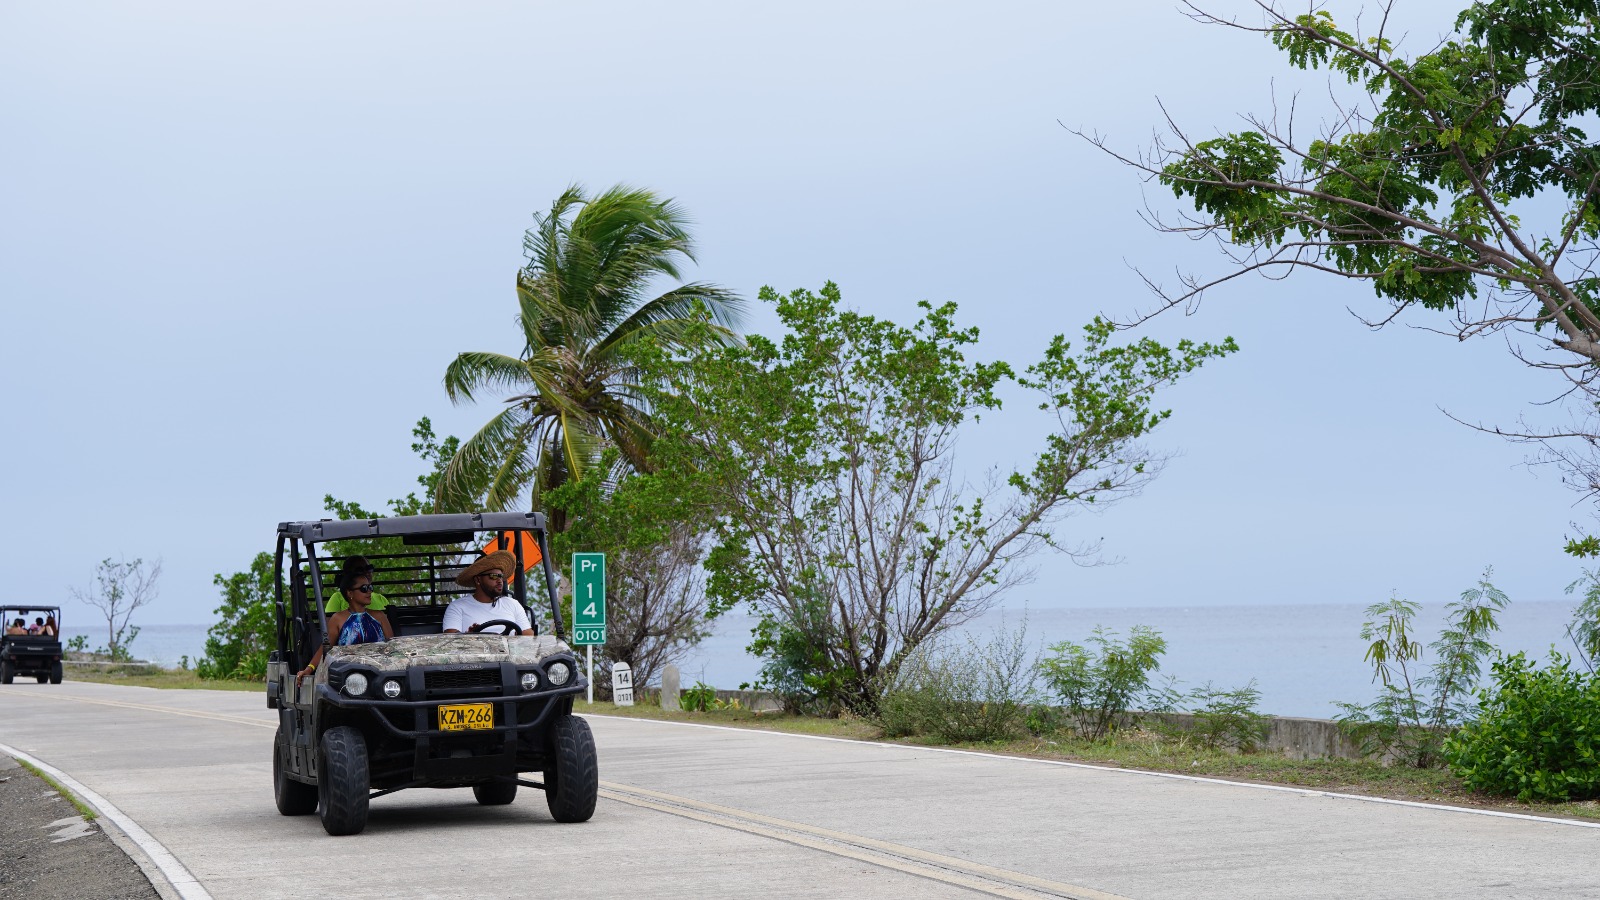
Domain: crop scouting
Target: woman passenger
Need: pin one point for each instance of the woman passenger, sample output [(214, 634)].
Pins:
[(50, 626), (359, 624)]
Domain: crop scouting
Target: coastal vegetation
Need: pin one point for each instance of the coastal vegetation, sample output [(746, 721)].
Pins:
[(825, 460), (811, 478)]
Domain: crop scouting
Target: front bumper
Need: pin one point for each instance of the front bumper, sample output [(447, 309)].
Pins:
[(423, 713)]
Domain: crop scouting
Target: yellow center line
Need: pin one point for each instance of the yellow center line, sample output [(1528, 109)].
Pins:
[(949, 869)]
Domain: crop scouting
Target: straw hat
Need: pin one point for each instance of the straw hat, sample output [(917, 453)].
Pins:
[(500, 559)]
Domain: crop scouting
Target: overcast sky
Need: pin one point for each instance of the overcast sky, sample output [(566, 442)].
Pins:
[(226, 228)]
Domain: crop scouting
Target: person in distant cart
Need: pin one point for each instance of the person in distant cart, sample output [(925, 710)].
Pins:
[(489, 600)]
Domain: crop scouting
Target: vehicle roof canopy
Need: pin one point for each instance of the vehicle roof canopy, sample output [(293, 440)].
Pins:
[(401, 526), (33, 608)]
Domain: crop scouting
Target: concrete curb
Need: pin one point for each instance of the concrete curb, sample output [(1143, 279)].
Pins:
[(167, 875)]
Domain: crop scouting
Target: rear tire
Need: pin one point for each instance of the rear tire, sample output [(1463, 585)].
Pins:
[(295, 798), (342, 781), (495, 793), (6, 672), (55, 674), (572, 782)]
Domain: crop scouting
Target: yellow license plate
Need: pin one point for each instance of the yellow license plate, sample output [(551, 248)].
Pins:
[(466, 717)]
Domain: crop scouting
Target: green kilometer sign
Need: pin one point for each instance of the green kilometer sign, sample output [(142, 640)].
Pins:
[(588, 599)]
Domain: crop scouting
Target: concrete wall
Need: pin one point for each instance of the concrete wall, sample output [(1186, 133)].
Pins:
[(1295, 738), (1298, 738)]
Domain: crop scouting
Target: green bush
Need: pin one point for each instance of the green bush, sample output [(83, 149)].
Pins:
[(699, 698), (1228, 719), (978, 691), (1538, 735), (238, 644), (798, 667), (1098, 686)]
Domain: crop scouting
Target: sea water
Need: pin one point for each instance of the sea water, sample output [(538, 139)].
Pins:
[(1303, 659)]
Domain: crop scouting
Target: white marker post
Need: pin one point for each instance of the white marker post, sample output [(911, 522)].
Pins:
[(589, 607), (622, 684)]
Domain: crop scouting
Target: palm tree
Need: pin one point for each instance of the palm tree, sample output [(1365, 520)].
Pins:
[(582, 302)]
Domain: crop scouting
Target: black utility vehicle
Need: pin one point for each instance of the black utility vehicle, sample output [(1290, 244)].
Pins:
[(38, 655), (425, 709)]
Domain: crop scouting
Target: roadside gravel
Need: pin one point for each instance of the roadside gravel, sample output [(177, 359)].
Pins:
[(49, 852)]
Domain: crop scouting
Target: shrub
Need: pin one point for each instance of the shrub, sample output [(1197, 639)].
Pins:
[(798, 668), (1538, 735), (1228, 719), (1417, 708), (1098, 686), (699, 698), (977, 691)]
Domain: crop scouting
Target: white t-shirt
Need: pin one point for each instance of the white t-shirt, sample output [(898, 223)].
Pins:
[(464, 612)]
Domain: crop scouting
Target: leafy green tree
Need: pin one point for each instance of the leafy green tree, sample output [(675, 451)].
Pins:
[(238, 644), (1461, 180), (828, 459), (1417, 708), (583, 300), (654, 535)]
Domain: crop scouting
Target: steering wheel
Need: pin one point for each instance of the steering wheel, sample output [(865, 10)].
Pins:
[(509, 626)]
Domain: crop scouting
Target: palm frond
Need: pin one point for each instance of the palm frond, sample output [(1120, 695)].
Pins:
[(481, 463), (476, 370)]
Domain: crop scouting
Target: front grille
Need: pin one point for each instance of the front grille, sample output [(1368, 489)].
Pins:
[(462, 679)]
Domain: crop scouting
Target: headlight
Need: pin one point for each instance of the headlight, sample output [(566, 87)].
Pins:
[(558, 673), (355, 684), (530, 681), (391, 689)]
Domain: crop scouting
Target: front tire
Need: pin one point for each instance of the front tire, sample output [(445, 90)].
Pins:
[(342, 781), (495, 793), (294, 798), (572, 782)]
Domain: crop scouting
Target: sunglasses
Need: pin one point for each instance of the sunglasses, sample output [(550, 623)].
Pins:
[(363, 588), (495, 575)]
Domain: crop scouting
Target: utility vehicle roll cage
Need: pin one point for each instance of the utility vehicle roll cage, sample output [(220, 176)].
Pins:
[(446, 544)]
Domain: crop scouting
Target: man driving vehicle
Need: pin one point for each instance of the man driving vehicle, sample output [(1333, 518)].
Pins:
[(489, 599)]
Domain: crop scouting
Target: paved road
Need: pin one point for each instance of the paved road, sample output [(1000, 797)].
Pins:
[(704, 812)]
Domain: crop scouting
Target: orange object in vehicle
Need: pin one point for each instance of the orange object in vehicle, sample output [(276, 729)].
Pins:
[(530, 548)]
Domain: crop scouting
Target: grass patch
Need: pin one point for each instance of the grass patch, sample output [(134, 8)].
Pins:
[(844, 727), (83, 809), (1152, 752), (145, 675)]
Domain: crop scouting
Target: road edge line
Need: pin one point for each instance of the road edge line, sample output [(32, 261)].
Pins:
[(1070, 764), (166, 874)]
